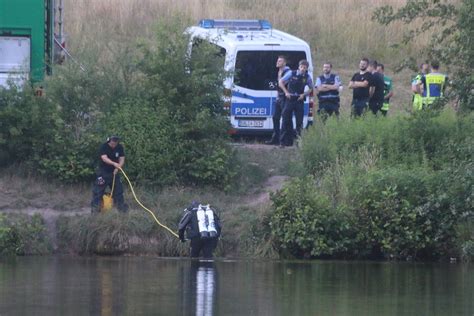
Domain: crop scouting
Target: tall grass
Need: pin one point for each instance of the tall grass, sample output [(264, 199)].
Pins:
[(341, 31)]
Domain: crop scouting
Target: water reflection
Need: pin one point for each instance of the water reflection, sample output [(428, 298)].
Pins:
[(106, 297), (205, 288), (200, 288), (154, 286)]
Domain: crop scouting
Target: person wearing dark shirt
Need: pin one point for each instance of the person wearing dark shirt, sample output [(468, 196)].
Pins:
[(202, 227), (360, 88), (376, 88), (112, 157)]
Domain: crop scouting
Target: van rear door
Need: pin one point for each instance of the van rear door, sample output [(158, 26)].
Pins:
[(255, 85)]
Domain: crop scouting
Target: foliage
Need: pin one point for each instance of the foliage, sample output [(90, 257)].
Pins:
[(23, 235), (403, 187), (166, 107), (24, 125), (451, 43), (306, 225), (9, 240)]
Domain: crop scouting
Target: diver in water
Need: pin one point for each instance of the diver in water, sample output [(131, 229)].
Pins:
[(203, 228)]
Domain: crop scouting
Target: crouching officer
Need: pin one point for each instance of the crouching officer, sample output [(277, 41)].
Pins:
[(202, 226), (112, 156)]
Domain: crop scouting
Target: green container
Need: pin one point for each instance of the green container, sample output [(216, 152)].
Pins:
[(32, 19)]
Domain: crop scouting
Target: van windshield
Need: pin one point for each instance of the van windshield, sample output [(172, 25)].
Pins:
[(256, 70)]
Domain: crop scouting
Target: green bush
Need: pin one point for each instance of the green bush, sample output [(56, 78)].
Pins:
[(306, 225), (404, 186), (166, 106), (23, 235), (9, 239)]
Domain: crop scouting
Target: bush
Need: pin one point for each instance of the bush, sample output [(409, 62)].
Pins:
[(9, 239), (23, 235), (166, 107), (404, 186), (305, 224)]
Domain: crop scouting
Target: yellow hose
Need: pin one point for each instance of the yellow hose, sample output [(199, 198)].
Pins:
[(143, 206)]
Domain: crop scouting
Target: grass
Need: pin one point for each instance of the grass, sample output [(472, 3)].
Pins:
[(340, 31)]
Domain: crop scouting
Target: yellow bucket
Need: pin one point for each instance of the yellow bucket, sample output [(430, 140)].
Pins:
[(107, 202), (107, 199)]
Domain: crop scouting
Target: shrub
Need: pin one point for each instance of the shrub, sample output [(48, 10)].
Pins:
[(167, 108), (404, 185), (24, 235), (305, 224), (9, 239)]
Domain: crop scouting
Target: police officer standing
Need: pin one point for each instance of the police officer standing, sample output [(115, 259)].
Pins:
[(112, 157), (327, 86), (280, 101), (202, 227), (293, 83), (432, 85)]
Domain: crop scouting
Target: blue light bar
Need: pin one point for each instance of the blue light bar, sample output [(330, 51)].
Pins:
[(206, 23), (265, 24), (236, 24)]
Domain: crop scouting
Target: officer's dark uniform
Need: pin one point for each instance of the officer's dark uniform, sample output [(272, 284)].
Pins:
[(189, 223), (329, 101), (296, 85), (279, 105), (105, 175)]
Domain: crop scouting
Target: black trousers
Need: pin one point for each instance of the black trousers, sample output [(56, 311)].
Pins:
[(204, 245), (296, 107), (279, 105), (375, 106), (100, 185), (328, 108)]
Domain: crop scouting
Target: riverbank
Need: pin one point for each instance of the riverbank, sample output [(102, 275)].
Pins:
[(384, 188), (59, 215)]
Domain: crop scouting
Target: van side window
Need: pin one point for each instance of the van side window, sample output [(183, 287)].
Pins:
[(256, 70), (202, 47)]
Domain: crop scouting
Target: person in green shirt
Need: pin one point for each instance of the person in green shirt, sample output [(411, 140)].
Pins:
[(388, 89)]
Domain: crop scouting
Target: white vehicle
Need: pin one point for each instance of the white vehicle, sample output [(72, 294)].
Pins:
[(251, 49)]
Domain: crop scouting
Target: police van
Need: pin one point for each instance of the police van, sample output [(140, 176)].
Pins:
[(251, 49)]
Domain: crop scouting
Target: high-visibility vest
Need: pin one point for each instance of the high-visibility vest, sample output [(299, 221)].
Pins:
[(417, 98), (434, 86)]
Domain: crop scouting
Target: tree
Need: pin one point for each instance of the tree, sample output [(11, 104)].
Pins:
[(452, 43)]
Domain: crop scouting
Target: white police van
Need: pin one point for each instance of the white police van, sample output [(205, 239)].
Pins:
[(251, 49)]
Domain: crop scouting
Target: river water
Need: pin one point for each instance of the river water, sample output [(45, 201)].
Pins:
[(154, 286)]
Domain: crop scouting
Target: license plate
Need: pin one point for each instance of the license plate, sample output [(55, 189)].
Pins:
[(250, 123)]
